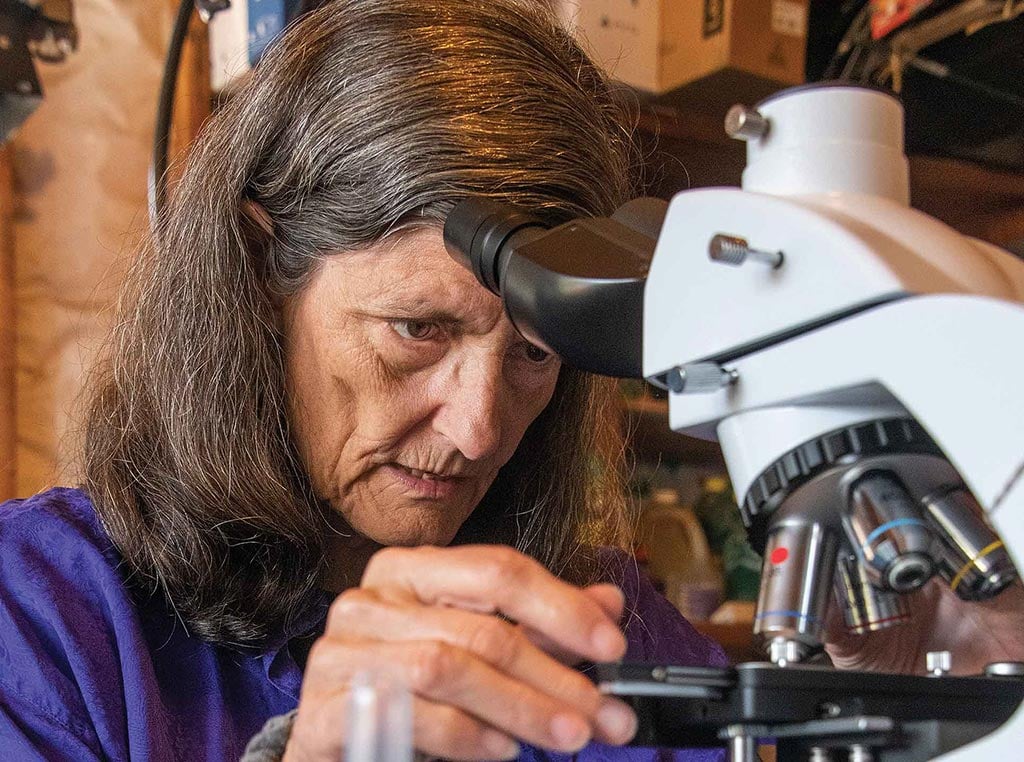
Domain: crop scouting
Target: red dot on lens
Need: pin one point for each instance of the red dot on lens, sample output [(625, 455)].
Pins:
[(779, 555)]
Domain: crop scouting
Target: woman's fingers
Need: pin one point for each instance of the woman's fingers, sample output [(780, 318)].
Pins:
[(444, 731), (364, 614), (978, 632), (438, 730), (446, 674), (497, 579), (426, 614), (608, 597)]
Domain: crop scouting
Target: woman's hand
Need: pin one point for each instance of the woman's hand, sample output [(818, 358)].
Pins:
[(975, 634), (478, 682)]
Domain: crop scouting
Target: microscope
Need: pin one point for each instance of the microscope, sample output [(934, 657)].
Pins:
[(861, 365)]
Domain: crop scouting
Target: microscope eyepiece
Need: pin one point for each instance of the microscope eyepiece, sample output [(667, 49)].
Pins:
[(477, 233), (576, 290)]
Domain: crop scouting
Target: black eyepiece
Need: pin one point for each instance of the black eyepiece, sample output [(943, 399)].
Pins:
[(476, 233)]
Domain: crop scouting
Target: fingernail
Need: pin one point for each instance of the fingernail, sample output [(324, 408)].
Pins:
[(500, 746), (570, 733), (617, 721), (608, 641)]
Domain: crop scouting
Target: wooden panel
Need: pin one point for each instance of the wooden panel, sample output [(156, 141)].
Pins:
[(650, 437), (7, 328), (737, 640), (192, 97), (977, 201)]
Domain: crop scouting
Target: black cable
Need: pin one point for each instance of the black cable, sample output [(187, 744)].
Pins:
[(157, 185), (942, 71)]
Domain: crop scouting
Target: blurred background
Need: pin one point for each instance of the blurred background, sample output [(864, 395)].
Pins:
[(80, 82)]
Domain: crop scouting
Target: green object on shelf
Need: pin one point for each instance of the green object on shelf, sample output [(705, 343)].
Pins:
[(742, 567), (720, 517)]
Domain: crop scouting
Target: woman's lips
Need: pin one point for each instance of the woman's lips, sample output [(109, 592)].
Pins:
[(423, 484)]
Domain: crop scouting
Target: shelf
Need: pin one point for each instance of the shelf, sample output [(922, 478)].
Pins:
[(684, 143), (737, 639), (650, 437)]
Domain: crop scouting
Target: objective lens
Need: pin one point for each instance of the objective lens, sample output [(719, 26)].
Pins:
[(888, 533), (798, 566), (972, 558), (866, 608)]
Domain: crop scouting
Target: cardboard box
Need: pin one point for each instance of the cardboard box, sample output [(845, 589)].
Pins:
[(658, 45)]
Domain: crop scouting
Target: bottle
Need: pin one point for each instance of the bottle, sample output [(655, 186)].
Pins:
[(678, 555), (720, 517)]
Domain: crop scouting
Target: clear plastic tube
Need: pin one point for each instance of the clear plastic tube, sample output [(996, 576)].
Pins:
[(379, 719)]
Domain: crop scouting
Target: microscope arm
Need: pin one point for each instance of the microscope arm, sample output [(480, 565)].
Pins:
[(928, 355)]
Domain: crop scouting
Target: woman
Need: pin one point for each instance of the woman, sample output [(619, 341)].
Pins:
[(319, 446), (300, 377)]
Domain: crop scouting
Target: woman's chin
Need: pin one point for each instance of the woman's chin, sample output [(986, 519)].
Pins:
[(410, 525)]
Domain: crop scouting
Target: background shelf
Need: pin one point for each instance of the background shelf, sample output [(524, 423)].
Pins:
[(651, 439)]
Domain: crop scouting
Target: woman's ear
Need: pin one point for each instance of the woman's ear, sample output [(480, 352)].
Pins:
[(258, 229), (258, 215)]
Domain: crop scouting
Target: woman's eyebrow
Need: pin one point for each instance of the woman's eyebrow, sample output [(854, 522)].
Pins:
[(418, 308)]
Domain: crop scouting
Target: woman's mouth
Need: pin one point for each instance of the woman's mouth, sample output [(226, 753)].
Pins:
[(425, 484)]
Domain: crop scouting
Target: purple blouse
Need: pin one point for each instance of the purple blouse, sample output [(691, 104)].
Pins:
[(89, 673)]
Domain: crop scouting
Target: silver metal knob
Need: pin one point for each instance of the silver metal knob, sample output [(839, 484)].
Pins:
[(734, 250), (742, 745), (938, 663), (861, 753), (745, 123), (1005, 669), (696, 378), (782, 652)]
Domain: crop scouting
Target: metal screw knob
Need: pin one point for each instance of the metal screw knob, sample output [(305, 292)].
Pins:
[(734, 250), (783, 651), (861, 753), (745, 123), (699, 377), (1005, 669), (938, 663)]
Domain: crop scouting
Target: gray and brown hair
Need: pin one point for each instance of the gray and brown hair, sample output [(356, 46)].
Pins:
[(368, 118)]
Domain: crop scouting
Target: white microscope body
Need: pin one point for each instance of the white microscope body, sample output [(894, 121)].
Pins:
[(876, 312)]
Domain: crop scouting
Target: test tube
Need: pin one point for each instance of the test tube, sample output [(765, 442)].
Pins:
[(379, 719)]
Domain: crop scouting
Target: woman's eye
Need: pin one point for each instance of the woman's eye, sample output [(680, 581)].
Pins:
[(536, 354), (414, 330)]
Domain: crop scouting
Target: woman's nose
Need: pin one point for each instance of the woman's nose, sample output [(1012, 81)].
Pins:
[(469, 414)]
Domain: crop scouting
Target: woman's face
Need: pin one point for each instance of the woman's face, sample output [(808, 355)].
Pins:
[(409, 388)]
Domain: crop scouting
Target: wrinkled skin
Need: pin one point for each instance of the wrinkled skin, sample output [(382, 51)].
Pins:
[(409, 390), (399, 363)]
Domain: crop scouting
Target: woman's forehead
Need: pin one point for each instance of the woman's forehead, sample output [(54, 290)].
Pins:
[(413, 276)]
